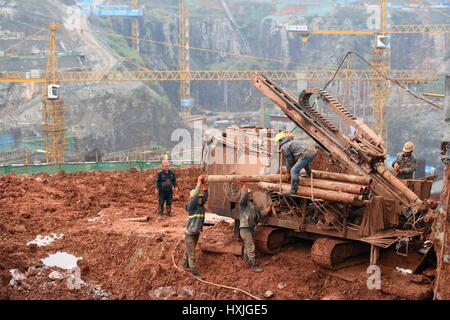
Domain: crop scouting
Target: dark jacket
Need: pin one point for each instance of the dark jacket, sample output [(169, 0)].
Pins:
[(294, 150), (166, 181), (196, 213), (249, 213), (408, 164)]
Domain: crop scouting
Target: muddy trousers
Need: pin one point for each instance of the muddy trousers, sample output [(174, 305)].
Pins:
[(165, 196), (189, 254), (302, 163), (249, 244)]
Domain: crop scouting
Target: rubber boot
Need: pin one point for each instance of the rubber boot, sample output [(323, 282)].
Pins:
[(294, 189), (246, 261), (294, 186), (308, 172), (255, 266)]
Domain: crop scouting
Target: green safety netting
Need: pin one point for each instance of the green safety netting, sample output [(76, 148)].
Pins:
[(79, 167)]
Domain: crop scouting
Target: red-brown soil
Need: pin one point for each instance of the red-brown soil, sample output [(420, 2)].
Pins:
[(132, 260)]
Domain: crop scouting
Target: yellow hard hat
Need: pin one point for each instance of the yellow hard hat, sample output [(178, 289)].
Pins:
[(408, 147), (280, 136)]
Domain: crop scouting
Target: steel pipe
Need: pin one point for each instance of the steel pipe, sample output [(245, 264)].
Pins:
[(319, 194), (334, 185), (275, 178), (407, 193), (342, 177)]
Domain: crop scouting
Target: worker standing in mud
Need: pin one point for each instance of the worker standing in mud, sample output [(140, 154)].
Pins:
[(249, 218), (405, 163), (196, 210), (298, 155), (165, 183)]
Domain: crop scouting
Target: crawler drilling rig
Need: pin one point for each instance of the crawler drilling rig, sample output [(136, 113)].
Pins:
[(351, 205)]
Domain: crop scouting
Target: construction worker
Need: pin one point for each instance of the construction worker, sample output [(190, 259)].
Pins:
[(249, 218), (298, 155), (165, 183), (405, 163), (196, 210)]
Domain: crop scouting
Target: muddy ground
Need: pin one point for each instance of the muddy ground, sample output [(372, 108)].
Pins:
[(129, 260)]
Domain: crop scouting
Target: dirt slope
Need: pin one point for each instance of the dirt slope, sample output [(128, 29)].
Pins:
[(123, 260)]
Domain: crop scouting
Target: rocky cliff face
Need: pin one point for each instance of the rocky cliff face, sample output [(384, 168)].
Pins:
[(161, 52), (122, 116), (214, 32), (110, 117)]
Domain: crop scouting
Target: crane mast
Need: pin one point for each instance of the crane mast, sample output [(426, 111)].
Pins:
[(53, 106), (185, 84)]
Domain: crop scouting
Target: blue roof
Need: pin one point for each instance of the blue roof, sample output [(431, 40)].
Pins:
[(346, 1), (102, 9), (118, 12)]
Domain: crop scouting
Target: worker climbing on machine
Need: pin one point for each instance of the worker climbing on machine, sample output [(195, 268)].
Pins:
[(298, 155), (165, 183), (196, 210), (405, 163), (249, 218)]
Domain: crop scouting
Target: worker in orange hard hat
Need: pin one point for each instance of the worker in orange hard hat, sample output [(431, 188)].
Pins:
[(405, 163), (165, 183)]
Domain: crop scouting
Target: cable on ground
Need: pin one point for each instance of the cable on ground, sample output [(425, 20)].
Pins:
[(208, 282)]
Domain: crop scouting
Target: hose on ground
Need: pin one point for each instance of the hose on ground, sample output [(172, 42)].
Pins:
[(207, 282)]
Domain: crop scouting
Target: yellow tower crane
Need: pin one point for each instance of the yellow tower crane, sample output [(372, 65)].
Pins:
[(53, 107), (380, 57), (185, 84), (380, 89)]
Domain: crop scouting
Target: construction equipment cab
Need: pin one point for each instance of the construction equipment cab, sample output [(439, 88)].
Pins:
[(382, 42), (53, 91)]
